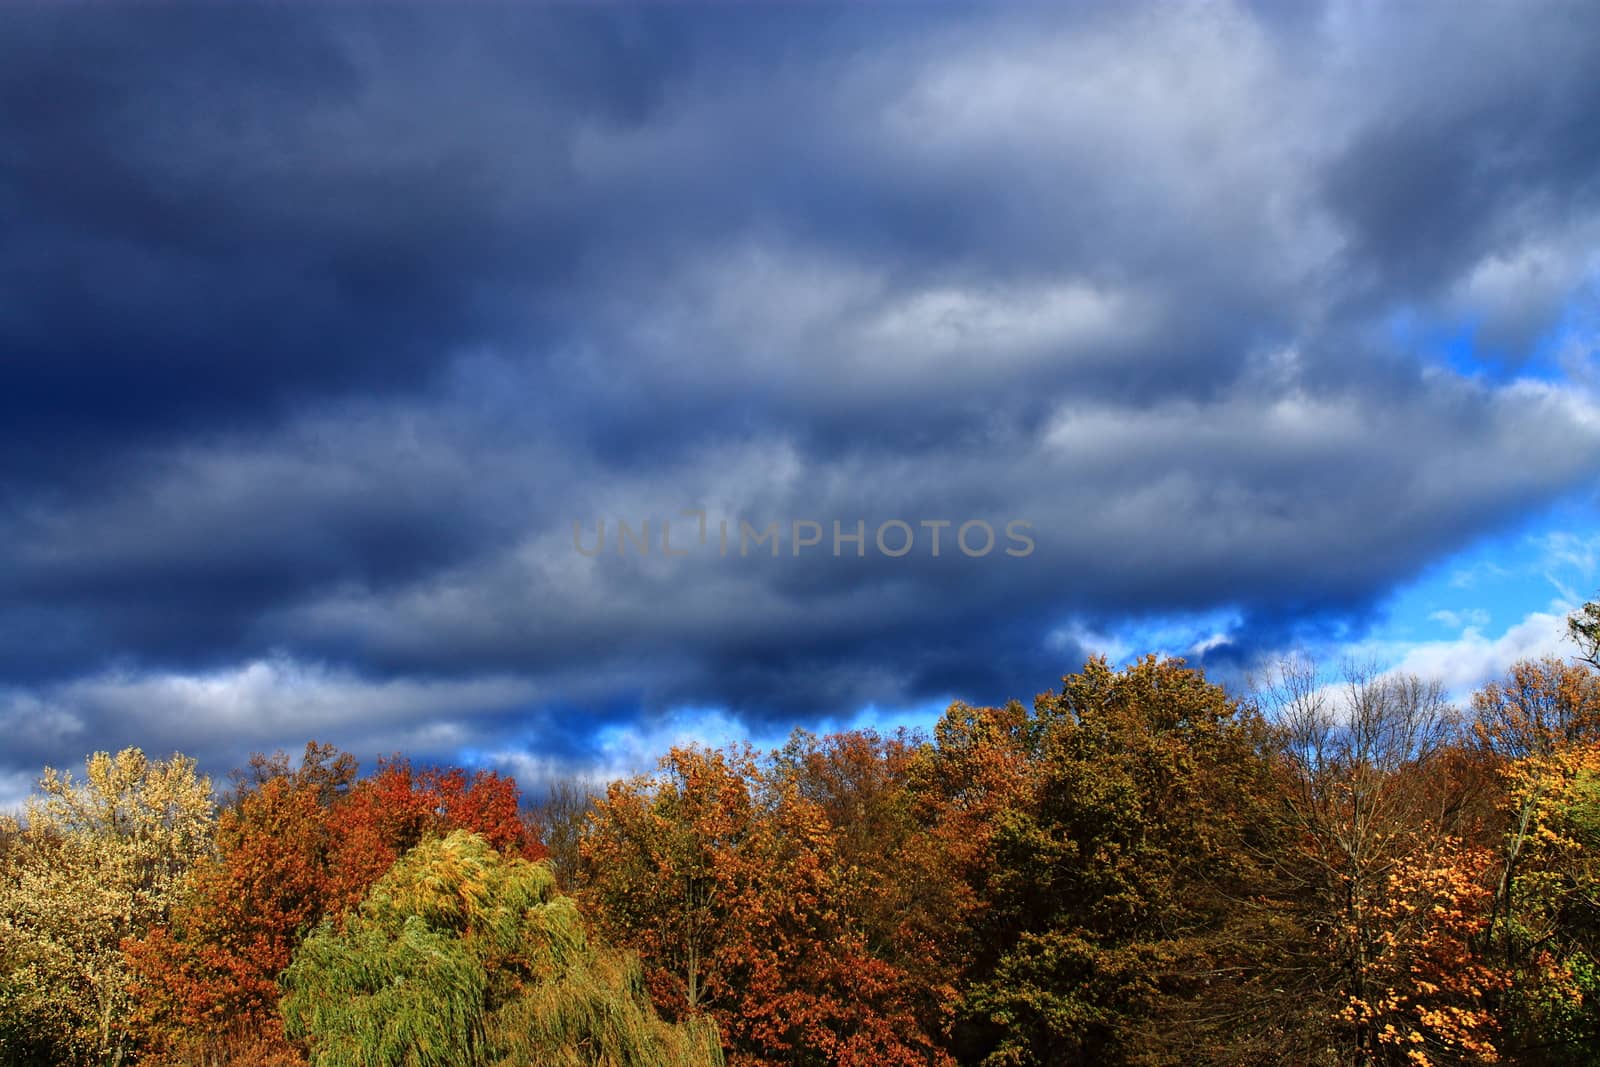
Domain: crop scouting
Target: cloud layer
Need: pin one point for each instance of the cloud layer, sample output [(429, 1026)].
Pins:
[(321, 330)]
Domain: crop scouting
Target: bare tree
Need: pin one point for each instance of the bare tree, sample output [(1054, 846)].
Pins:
[(561, 820), (1361, 798)]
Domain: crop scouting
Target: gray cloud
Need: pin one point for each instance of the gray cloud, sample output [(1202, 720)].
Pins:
[(309, 373)]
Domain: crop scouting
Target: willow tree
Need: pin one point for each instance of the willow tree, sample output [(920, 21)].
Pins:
[(461, 957)]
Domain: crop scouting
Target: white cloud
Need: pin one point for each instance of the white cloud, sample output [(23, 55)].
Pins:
[(263, 703), (1464, 663), (1513, 293), (1465, 619), (621, 750)]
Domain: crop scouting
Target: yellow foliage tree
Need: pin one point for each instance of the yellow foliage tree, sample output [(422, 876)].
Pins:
[(93, 861), (1425, 994)]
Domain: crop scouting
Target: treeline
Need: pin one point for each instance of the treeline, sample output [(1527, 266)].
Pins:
[(1138, 869)]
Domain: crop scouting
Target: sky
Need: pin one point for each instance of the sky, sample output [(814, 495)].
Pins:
[(331, 335)]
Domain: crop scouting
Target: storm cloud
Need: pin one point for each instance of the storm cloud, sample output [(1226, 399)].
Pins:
[(320, 329)]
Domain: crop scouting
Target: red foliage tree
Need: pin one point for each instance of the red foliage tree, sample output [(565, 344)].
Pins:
[(386, 815)]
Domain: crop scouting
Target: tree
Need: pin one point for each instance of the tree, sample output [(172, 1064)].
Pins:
[(460, 957), (296, 845), (981, 765), (1527, 726), (725, 879), (1539, 705), (1113, 897), (388, 813), (207, 979), (562, 819), (322, 767), (893, 872), (1428, 992), (1544, 927), (1583, 628), (99, 860), (1373, 810)]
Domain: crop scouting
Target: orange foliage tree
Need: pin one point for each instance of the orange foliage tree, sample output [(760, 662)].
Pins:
[(902, 855), (1427, 995), (727, 881)]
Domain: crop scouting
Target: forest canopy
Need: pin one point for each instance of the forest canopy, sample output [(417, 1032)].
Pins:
[(1139, 868)]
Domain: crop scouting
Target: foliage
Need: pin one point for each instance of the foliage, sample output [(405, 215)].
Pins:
[(211, 973), (894, 867), (1139, 869), (97, 861), (1422, 992), (1546, 918), (1536, 707), (1115, 875), (726, 879), (562, 820), (1583, 628), (461, 957), (296, 845), (390, 812)]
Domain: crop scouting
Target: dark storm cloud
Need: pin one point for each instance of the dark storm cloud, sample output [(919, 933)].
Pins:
[(319, 330), (214, 216)]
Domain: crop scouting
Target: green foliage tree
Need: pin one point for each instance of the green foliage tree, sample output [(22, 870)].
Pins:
[(1583, 627), (1117, 876), (460, 957)]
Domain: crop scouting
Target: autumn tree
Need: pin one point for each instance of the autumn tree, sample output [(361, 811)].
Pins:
[(297, 844), (1426, 993), (207, 979), (394, 809), (322, 767), (562, 819), (893, 870), (1540, 729), (98, 860), (980, 766), (1376, 814), (1528, 725), (459, 957), (725, 879), (1112, 900), (1538, 706)]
